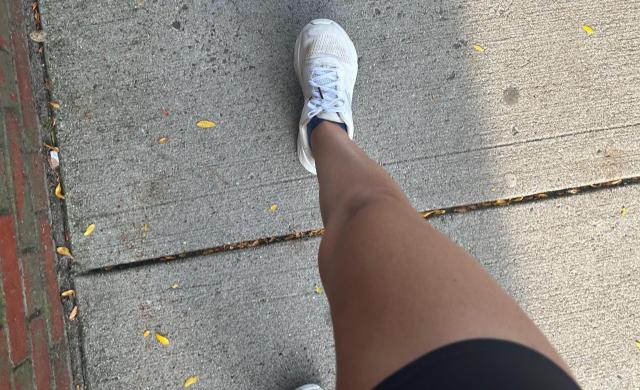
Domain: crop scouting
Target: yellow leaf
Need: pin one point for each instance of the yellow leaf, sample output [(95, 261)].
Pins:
[(204, 124), (51, 147), (68, 293), (145, 228), (175, 285), (588, 29), (501, 202), (55, 104), (58, 192), (638, 344), (163, 140), (192, 380), (64, 251), (273, 208), (478, 48), (146, 334), (623, 212), (74, 313), (318, 289), (161, 339), (89, 230)]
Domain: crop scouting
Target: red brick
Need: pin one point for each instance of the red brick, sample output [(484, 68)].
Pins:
[(3, 44), (12, 285), (61, 370), (23, 75), (40, 353), (51, 280), (34, 284), (38, 181), (5, 382), (15, 155), (23, 376)]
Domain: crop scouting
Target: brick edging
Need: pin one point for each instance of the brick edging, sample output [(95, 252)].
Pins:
[(34, 352)]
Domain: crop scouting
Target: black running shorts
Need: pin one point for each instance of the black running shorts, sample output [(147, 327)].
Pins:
[(481, 364)]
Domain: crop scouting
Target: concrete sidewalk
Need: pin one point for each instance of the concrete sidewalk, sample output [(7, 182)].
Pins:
[(519, 121)]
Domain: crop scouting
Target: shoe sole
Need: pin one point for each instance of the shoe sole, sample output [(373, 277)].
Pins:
[(307, 161)]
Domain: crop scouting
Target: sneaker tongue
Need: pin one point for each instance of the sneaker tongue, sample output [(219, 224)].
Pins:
[(330, 116)]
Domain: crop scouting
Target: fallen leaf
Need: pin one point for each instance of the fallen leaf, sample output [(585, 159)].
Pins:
[(273, 208), (55, 104), (38, 36), (204, 124), (318, 289), (161, 339), (145, 228), (588, 29), (146, 334), (74, 313), (192, 380), (68, 293), (51, 147), (165, 113), (501, 202), (89, 230), (163, 140), (478, 48), (638, 344), (175, 285), (623, 212), (64, 251), (58, 192)]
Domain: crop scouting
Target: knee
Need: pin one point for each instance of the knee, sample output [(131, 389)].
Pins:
[(357, 201)]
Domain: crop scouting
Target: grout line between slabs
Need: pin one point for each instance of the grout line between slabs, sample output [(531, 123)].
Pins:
[(312, 233)]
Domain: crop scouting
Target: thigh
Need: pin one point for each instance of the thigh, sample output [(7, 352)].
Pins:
[(398, 288)]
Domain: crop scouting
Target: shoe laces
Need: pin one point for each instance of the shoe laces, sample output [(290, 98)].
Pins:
[(325, 96)]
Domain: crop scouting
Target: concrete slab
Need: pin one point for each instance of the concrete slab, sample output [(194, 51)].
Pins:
[(251, 319), (544, 106)]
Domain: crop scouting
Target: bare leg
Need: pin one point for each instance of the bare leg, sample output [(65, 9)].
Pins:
[(397, 287)]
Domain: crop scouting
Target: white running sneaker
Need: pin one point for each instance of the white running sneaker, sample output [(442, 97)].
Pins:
[(326, 63), (309, 387)]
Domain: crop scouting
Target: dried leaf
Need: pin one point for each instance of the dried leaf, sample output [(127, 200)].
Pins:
[(145, 228), (273, 208), (165, 113), (68, 293), (588, 29), (204, 124), (623, 212), (174, 286), (74, 313), (478, 48), (161, 339), (64, 251), (51, 147), (146, 334), (55, 104), (318, 289), (192, 380), (163, 140), (58, 192), (89, 230), (501, 202), (38, 36), (638, 344)]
